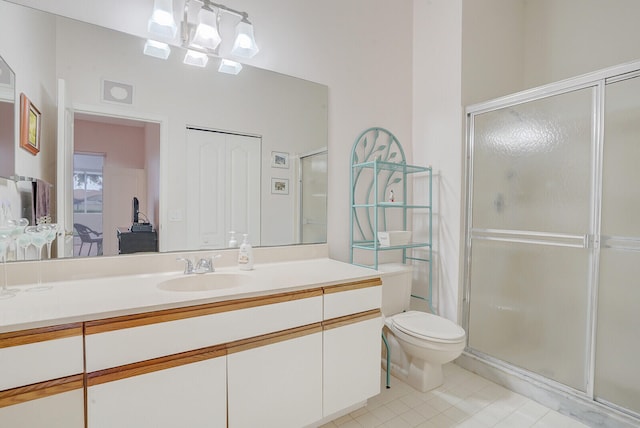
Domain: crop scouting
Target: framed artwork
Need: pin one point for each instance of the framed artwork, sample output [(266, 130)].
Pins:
[(30, 118), (280, 186), (279, 160)]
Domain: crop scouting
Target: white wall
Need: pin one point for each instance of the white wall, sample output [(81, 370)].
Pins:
[(566, 38), (437, 134), (512, 45), (22, 29), (493, 49)]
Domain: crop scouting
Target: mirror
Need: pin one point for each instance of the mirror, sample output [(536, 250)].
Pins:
[(111, 84), (7, 119)]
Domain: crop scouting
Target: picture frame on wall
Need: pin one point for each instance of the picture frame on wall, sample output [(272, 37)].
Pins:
[(30, 118), (279, 160), (280, 186)]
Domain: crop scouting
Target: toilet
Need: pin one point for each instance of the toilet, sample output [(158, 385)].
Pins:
[(419, 342)]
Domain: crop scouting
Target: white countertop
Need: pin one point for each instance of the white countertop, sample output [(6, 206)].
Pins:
[(90, 299)]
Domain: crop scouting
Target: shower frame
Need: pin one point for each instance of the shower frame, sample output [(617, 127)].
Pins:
[(590, 241)]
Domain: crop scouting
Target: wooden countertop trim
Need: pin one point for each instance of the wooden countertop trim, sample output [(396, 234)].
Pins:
[(373, 282), (156, 364), (351, 319), (137, 320), (268, 339), (35, 391), (34, 335)]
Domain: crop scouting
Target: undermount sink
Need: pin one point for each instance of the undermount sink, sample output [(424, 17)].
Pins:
[(204, 282)]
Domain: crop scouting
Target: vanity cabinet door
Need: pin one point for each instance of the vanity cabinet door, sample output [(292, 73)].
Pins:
[(145, 395), (351, 361), (41, 378), (60, 410), (276, 384)]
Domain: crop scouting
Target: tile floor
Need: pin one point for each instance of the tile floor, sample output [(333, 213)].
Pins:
[(464, 400)]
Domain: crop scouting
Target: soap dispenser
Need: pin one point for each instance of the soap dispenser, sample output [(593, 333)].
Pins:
[(245, 255), (232, 240)]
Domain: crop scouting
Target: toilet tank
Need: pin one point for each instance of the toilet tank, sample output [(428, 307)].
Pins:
[(396, 287)]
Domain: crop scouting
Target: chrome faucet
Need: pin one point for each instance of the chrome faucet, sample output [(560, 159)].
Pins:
[(205, 265), (188, 267)]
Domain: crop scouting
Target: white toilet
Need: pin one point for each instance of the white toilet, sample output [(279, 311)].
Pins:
[(419, 342)]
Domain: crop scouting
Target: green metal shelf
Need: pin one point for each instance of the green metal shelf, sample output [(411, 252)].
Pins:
[(391, 205), (392, 166), (368, 245), (378, 167)]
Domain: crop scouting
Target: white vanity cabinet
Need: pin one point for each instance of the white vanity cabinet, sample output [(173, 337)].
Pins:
[(287, 359), (41, 378), (277, 381), (169, 368), (351, 348), (163, 393)]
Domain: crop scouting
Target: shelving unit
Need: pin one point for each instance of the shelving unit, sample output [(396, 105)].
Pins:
[(378, 165)]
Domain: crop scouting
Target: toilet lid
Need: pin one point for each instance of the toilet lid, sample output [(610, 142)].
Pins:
[(422, 324)]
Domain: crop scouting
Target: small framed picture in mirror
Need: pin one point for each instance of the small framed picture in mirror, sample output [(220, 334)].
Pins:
[(280, 186), (279, 160), (30, 118)]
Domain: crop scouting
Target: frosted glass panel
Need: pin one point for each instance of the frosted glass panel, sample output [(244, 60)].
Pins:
[(617, 378), (313, 226), (617, 346), (528, 307), (621, 171), (532, 165)]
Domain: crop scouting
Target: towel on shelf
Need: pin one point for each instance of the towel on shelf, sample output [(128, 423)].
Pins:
[(41, 200)]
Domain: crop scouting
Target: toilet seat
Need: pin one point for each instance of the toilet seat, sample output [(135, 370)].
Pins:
[(428, 326)]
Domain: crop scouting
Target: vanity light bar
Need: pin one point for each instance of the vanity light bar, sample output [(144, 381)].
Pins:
[(156, 49), (196, 58), (162, 23), (201, 39), (230, 67)]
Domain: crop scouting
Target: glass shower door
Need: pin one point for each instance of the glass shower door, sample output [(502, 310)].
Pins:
[(529, 273), (617, 378), (313, 198)]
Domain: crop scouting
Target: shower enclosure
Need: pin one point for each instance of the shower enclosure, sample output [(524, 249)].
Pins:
[(552, 236)]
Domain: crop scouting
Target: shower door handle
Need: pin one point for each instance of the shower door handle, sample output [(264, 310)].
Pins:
[(591, 241)]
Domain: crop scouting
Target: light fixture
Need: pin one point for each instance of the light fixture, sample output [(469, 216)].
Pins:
[(199, 33), (206, 35), (162, 23), (245, 44), (156, 49), (196, 58), (229, 67)]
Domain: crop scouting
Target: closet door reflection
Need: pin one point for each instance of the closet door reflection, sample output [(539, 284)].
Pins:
[(617, 378), (531, 205), (223, 188)]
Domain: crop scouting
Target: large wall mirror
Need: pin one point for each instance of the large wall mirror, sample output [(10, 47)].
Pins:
[(7, 114), (203, 153)]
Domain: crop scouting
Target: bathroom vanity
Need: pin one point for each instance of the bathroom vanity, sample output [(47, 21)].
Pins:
[(289, 344)]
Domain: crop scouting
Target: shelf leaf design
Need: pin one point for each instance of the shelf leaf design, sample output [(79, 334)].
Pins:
[(373, 145)]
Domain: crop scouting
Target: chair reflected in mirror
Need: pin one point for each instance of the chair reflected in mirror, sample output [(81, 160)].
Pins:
[(88, 236)]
